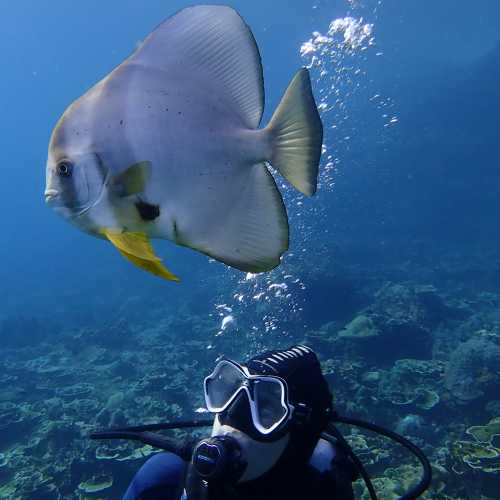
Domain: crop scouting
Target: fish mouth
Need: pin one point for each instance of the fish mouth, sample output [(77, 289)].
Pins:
[(51, 195)]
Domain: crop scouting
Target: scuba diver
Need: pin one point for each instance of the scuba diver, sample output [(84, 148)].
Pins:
[(273, 438)]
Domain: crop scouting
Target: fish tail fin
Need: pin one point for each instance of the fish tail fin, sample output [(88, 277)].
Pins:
[(297, 135)]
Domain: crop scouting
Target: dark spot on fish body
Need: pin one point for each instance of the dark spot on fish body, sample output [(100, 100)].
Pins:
[(175, 231), (147, 211), (121, 122)]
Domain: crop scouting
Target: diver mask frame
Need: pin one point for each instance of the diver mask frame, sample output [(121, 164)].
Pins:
[(229, 379)]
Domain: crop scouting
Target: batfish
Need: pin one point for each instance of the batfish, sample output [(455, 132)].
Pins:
[(168, 145)]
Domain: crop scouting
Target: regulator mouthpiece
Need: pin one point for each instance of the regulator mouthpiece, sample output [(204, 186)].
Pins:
[(219, 458)]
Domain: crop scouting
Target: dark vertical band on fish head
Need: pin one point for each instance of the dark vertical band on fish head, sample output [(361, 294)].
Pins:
[(76, 183)]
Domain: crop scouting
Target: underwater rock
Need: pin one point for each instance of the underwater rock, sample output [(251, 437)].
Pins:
[(31, 482), (371, 378), (477, 456), (361, 327), (81, 409), (408, 302), (382, 341), (426, 399), (96, 484), (415, 426), (116, 400), (485, 433), (123, 452), (412, 382), (403, 339), (396, 325), (411, 425), (472, 370), (53, 408), (8, 490), (482, 452), (394, 482)]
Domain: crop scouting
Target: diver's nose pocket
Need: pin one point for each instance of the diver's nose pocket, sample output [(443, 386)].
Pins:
[(238, 413)]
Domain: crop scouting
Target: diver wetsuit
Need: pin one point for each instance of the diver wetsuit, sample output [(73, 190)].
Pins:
[(328, 475)]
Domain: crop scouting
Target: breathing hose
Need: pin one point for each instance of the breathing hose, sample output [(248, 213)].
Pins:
[(145, 434), (426, 478)]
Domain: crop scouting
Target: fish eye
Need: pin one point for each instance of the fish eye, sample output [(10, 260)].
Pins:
[(64, 169)]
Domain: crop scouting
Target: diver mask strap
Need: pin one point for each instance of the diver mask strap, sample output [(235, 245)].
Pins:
[(301, 414)]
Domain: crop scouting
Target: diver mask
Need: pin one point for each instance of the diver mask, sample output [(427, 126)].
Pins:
[(270, 409), (252, 413), (256, 421), (257, 405)]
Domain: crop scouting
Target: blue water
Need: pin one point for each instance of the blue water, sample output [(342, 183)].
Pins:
[(409, 194)]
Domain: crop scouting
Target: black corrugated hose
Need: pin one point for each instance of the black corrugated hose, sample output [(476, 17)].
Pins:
[(426, 478)]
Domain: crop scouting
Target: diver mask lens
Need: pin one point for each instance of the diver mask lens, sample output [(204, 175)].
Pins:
[(267, 395), (222, 386)]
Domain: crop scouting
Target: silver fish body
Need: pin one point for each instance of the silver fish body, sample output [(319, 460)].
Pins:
[(184, 111)]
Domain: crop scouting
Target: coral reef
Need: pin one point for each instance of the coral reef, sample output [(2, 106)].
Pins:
[(407, 356), (472, 370)]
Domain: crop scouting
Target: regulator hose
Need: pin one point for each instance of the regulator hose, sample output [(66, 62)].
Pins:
[(426, 478)]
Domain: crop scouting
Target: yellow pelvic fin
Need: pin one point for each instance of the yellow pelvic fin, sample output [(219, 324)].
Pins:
[(153, 267), (137, 248)]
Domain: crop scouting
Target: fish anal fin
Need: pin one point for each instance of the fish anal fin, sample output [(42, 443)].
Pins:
[(248, 231)]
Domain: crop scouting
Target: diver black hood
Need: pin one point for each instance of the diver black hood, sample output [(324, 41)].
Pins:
[(308, 392), (311, 398)]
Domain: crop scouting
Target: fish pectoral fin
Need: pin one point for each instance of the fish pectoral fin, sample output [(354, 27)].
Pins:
[(133, 180), (136, 247)]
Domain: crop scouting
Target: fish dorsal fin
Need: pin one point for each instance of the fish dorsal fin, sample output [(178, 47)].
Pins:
[(212, 45), (137, 248)]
